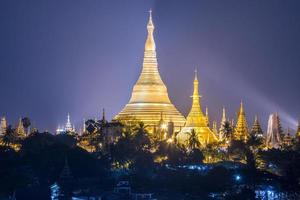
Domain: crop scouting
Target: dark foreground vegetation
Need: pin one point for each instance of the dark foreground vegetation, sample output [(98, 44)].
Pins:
[(161, 167)]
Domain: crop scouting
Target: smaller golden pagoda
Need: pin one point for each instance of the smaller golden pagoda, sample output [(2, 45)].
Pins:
[(197, 121), (241, 131)]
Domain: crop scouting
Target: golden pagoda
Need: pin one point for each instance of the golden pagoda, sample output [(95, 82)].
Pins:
[(150, 97), (197, 121), (241, 131)]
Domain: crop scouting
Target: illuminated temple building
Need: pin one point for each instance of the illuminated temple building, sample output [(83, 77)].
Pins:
[(196, 121), (68, 128), (241, 131), (256, 129), (3, 126), (149, 98)]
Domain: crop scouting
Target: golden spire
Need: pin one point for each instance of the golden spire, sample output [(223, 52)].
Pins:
[(196, 120), (241, 131), (196, 87), (196, 117), (206, 115), (150, 44), (223, 115), (241, 112)]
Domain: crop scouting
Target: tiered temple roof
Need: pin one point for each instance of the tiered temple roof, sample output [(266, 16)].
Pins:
[(241, 131), (256, 128)]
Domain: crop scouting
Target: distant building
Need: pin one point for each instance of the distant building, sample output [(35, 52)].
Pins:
[(274, 131), (3, 126), (215, 129), (68, 128), (298, 131), (20, 130), (112, 131), (287, 139), (256, 129), (221, 135)]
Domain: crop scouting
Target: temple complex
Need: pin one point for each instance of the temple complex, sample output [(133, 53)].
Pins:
[(196, 121), (149, 96)]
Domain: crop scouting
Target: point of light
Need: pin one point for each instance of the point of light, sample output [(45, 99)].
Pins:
[(238, 177)]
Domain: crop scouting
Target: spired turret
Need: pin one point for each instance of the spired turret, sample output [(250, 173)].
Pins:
[(197, 121), (3, 126), (222, 130), (241, 131), (149, 97), (256, 129), (20, 129), (287, 139), (274, 132)]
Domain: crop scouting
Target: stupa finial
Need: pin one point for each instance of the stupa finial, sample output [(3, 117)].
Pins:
[(196, 74)]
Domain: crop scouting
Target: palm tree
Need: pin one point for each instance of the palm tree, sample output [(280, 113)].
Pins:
[(254, 143), (9, 137), (193, 141), (26, 123), (90, 126), (141, 128), (141, 139), (227, 131)]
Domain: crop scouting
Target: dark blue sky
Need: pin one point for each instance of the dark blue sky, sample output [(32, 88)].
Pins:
[(81, 56)]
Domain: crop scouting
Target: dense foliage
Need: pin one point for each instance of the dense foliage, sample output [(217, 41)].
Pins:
[(149, 164)]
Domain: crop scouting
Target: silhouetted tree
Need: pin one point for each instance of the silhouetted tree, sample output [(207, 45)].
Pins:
[(26, 123), (193, 141), (9, 136), (196, 156)]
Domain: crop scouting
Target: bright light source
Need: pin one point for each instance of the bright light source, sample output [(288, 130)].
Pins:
[(170, 140), (238, 177), (164, 126)]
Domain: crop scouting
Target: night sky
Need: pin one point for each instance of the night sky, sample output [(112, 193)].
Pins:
[(81, 56)]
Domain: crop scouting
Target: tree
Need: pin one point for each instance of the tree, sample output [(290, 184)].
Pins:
[(227, 131), (196, 156), (9, 137), (90, 126), (237, 150), (170, 153), (141, 139), (211, 153), (193, 141), (254, 142), (26, 123)]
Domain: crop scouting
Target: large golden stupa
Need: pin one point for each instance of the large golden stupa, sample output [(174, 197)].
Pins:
[(149, 99), (196, 121)]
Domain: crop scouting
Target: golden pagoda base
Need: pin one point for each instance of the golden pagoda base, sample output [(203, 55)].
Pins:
[(204, 134)]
